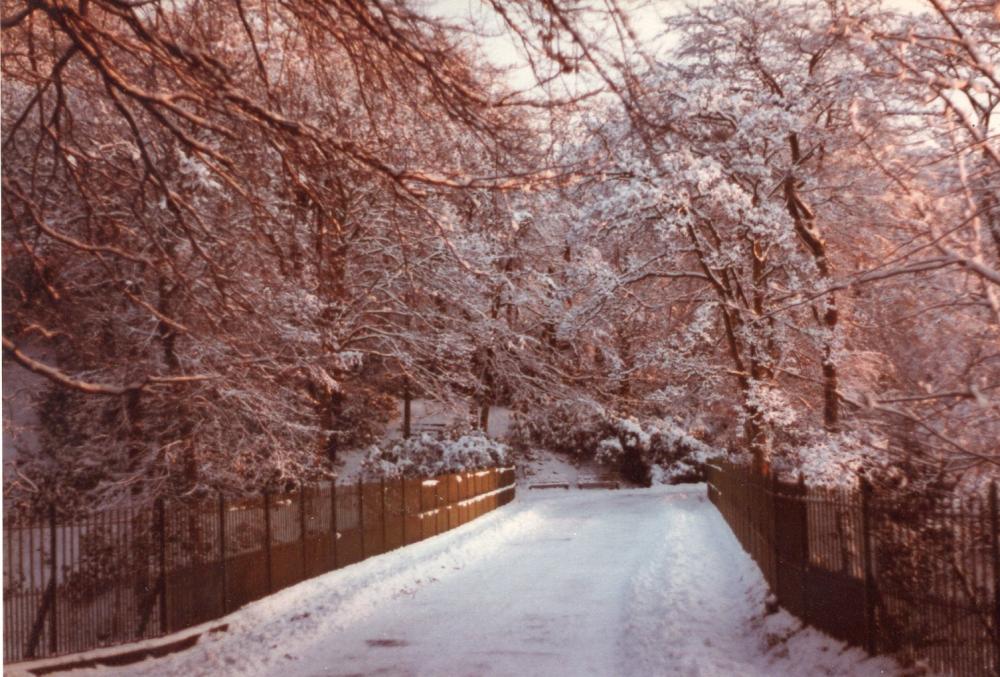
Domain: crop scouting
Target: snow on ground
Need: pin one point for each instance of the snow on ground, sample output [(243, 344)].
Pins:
[(540, 465), (633, 582)]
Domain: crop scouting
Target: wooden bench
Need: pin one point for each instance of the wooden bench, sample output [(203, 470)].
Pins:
[(435, 428), (549, 485)]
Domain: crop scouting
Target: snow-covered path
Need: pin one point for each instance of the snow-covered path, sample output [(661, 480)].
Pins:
[(551, 602), (638, 582)]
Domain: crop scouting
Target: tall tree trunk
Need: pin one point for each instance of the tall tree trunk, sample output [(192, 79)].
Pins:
[(745, 366), (805, 226), (407, 408), (484, 417)]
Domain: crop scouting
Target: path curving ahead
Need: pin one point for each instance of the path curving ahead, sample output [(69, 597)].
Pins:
[(636, 582)]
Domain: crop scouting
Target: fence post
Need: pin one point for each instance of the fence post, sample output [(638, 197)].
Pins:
[(773, 548), (302, 528), (161, 527), (385, 530), (267, 540), (995, 547), (402, 498), (222, 549), (420, 511), (746, 488), (804, 555), (333, 519), (54, 582), (871, 640), (361, 515)]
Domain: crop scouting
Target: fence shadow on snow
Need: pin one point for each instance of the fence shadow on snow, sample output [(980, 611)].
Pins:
[(124, 575), (918, 578)]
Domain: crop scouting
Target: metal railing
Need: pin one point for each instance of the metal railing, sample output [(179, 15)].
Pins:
[(123, 575), (916, 576)]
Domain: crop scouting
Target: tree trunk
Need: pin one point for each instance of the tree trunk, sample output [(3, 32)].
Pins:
[(484, 416), (407, 409), (805, 226)]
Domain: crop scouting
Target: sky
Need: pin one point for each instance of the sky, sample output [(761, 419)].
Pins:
[(500, 48), (647, 23)]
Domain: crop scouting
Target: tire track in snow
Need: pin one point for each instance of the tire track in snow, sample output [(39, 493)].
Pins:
[(696, 610), (686, 611)]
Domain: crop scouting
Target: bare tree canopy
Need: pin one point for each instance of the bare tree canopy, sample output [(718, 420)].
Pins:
[(235, 232)]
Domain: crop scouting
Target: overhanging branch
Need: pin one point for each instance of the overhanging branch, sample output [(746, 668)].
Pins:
[(91, 388)]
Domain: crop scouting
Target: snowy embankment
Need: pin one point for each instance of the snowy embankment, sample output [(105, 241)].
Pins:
[(635, 582)]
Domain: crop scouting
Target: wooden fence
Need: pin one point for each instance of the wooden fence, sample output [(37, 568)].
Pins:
[(124, 575), (917, 577)]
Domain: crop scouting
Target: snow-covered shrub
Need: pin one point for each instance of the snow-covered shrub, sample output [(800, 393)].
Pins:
[(574, 428), (412, 457), (609, 450), (632, 435), (427, 455), (830, 460), (628, 451), (680, 456), (585, 430), (682, 471), (470, 452)]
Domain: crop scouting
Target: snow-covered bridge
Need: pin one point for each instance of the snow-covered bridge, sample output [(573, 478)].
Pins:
[(636, 582)]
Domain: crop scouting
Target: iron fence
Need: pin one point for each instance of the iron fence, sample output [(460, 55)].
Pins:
[(914, 576), (124, 575)]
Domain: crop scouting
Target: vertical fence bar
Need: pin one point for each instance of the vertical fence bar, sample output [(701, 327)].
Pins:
[(361, 515), (302, 528), (23, 620), (267, 540), (333, 519), (804, 545), (871, 642), (747, 506), (402, 498), (7, 554), (420, 511), (161, 527), (774, 548), (222, 550), (54, 578), (31, 601), (32, 586), (385, 530), (67, 563), (995, 551)]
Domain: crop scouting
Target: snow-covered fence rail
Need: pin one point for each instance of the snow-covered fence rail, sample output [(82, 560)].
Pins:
[(914, 576), (123, 575)]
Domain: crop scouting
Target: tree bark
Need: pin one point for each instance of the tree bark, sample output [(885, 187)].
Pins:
[(805, 226)]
